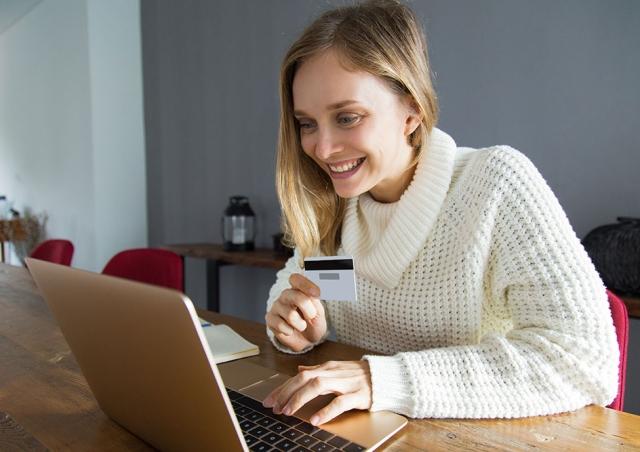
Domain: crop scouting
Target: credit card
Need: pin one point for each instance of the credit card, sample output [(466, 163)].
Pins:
[(334, 275)]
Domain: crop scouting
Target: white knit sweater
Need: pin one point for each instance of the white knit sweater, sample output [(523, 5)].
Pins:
[(477, 286)]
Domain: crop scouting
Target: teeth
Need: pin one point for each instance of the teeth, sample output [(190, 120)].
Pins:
[(345, 166)]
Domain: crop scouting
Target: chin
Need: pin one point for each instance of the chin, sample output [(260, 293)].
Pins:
[(347, 193)]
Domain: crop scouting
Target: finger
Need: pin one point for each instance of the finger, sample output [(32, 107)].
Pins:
[(303, 284), (273, 395), (320, 386), (294, 319), (320, 312), (342, 365), (298, 300), (278, 325), (336, 407), (288, 310), (290, 387), (349, 382), (296, 341)]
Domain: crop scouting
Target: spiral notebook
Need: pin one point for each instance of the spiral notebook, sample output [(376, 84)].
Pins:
[(226, 344)]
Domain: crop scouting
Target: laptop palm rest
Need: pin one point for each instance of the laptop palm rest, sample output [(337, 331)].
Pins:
[(366, 428)]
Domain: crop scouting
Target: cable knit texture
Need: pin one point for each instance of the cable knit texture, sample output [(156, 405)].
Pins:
[(475, 292)]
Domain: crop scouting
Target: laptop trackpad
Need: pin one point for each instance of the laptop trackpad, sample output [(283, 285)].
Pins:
[(362, 427), (240, 374), (261, 390)]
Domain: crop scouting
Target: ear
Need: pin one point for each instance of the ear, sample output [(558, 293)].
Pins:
[(413, 118)]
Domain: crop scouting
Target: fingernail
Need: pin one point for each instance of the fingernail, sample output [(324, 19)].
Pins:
[(314, 420), (267, 403), (287, 411), (315, 291)]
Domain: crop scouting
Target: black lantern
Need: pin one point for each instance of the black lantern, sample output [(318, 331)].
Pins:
[(238, 225)]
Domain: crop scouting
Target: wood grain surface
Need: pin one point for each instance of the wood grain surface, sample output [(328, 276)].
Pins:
[(261, 257), (50, 404)]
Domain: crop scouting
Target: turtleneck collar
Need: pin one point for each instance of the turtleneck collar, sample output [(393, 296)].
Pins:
[(385, 238)]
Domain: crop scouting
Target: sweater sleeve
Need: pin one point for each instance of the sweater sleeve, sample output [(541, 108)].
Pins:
[(561, 353), (282, 282)]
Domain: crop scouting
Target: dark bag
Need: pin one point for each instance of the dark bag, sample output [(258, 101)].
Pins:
[(615, 252)]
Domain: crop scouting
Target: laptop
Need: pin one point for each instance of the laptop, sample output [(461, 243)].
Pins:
[(143, 353)]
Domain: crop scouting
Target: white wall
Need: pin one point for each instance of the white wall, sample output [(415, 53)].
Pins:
[(118, 126), (71, 123)]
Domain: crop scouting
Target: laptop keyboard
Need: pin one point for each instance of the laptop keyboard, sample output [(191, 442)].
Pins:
[(265, 431)]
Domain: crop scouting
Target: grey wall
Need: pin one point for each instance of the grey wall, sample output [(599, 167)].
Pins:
[(557, 80)]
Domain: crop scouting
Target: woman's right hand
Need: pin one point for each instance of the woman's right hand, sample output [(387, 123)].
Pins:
[(297, 317)]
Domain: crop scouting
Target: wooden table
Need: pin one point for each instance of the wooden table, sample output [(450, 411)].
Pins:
[(217, 257), (50, 404), (633, 305)]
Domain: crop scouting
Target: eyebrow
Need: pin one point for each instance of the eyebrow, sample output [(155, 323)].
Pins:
[(336, 106)]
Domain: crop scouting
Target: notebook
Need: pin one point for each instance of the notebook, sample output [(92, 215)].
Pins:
[(226, 344)]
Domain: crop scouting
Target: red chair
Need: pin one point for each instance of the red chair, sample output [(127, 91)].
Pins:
[(148, 265), (621, 323), (56, 251)]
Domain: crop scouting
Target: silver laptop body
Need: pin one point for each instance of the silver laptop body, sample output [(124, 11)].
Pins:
[(144, 355)]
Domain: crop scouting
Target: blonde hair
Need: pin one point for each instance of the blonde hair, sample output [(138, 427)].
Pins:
[(383, 38)]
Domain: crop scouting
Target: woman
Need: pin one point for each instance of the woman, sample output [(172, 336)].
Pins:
[(472, 285)]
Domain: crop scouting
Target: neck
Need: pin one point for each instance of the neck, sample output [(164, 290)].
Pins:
[(391, 189)]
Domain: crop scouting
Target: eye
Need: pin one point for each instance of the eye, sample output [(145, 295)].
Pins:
[(306, 125), (347, 120)]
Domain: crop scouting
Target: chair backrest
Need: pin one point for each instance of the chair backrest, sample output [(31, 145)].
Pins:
[(57, 251), (148, 265), (621, 323)]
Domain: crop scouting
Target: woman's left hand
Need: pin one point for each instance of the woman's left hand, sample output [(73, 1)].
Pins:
[(349, 380)]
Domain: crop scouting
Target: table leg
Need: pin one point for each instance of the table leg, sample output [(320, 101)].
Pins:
[(213, 284), (1, 251), (184, 274)]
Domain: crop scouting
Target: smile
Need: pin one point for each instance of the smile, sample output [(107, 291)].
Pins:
[(345, 169)]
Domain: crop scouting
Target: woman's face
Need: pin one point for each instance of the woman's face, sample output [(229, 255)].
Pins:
[(354, 127)]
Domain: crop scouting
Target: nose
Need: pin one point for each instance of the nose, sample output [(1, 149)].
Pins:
[(327, 144)]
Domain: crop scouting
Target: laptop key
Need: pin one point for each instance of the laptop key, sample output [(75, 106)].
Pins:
[(322, 435), (262, 410), (254, 416), (271, 438), (292, 433), (246, 425), (278, 427), (250, 440), (242, 411), (337, 441), (286, 444), (306, 440), (233, 395), (259, 431), (300, 449), (291, 421), (353, 447), (252, 403), (260, 447), (306, 427), (266, 421), (322, 447)]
